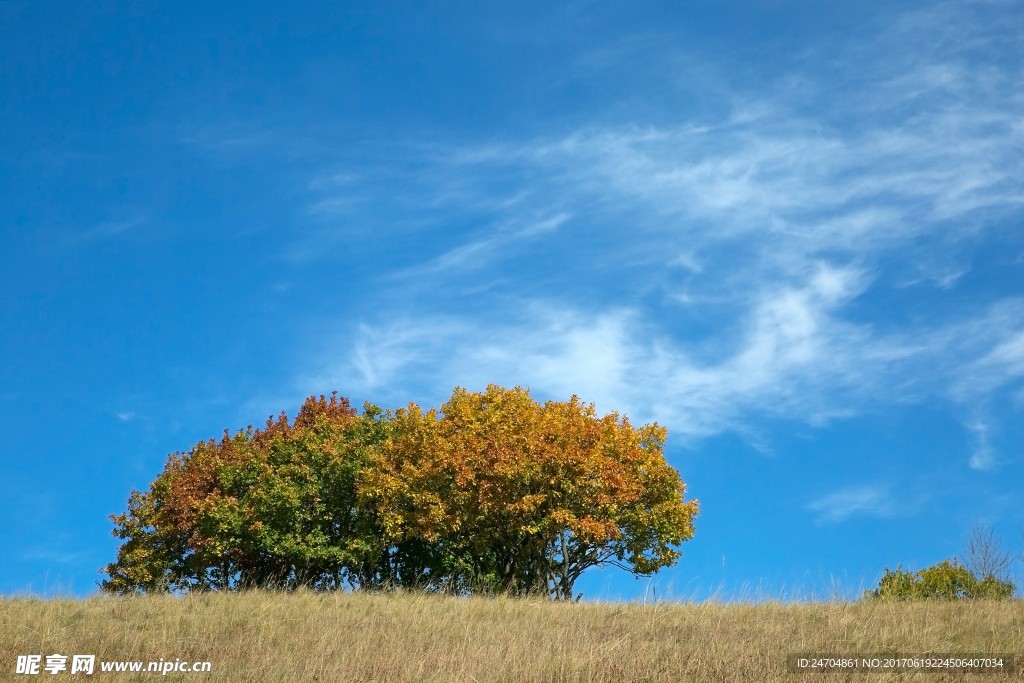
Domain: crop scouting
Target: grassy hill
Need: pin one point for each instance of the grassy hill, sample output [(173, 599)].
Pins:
[(274, 638)]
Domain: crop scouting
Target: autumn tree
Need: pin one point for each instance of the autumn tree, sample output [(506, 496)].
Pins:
[(494, 493), (272, 508), (526, 497)]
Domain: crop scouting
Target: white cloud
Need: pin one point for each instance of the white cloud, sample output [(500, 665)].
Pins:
[(792, 360), (773, 220), (380, 354), (56, 553), (793, 357), (479, 253), (982, 457), (1003, 363), (995, 357), (866, 500), (103, 230)]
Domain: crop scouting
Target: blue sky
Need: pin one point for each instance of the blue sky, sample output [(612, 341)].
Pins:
[(789, 232)]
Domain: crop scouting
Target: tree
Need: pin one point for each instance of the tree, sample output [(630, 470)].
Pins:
[(495, 493), (273, 508), (985, 555), (1020, 554), (524, 498)]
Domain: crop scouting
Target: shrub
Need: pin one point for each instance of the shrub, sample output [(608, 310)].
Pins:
[(943, 581)]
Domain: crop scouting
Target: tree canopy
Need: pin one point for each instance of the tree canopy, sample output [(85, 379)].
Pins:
[(493, 493)]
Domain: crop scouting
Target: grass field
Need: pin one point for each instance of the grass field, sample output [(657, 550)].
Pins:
[(361, 637)]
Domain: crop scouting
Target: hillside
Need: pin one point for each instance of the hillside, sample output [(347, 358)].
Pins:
[(275, 638)]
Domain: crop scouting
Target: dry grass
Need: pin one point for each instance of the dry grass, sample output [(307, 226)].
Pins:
[(354, 637)]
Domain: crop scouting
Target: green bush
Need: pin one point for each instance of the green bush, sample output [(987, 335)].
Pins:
[(944, 581)]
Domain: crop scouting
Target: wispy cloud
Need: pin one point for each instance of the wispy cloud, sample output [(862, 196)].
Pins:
[(982, 457), (481, 252), (1004, 363), (792, 359), (763, 229), (866, 500), (103, 230), (56, 554)]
